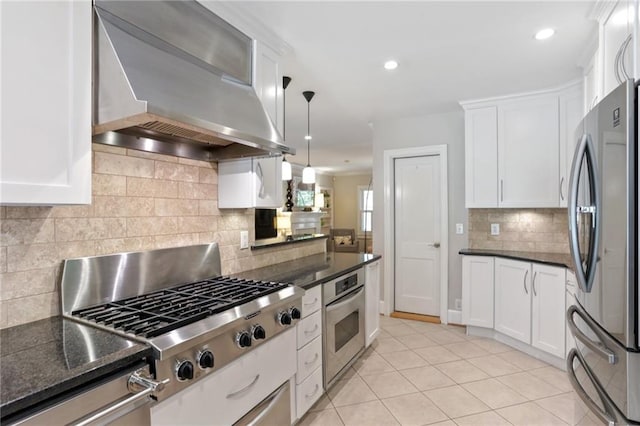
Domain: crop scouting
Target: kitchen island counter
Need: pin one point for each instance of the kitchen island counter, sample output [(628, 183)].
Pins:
[(45, 360), (310, 271)]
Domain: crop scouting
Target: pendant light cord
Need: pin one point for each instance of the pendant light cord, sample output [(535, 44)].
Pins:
[(308, 134)]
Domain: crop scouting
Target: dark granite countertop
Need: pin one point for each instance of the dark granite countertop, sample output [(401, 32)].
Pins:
[(45, 359), (291, 239), (310, 271), (556, 259)]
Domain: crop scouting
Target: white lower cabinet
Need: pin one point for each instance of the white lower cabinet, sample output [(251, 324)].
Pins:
[(477, 291), (572, 285), (522, 300), (224, 397), (548, 308), (512, 298), (372, 301), (308, 382)]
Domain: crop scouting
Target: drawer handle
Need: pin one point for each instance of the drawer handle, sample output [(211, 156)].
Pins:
[(313, 360), (315, 300), (315, 391), (311, 331), (244, 389)]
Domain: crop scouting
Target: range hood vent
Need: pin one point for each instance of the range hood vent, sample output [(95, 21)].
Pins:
[(172, 77)]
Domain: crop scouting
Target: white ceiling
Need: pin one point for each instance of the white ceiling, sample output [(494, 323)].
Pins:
[(447, 51)]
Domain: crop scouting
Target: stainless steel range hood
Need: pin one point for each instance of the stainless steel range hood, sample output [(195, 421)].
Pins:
[(172, 77)]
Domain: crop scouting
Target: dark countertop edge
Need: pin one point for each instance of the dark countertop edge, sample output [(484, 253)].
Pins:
[(546, 258), (83, 378), (340, 273), (279, 242)]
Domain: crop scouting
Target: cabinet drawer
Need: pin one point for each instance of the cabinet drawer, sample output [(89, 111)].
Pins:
[(311, 301), (235, 389), (309, 358), (309, 328), (308, 392)]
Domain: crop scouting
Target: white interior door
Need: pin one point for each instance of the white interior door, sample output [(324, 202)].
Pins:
[(417, 234)]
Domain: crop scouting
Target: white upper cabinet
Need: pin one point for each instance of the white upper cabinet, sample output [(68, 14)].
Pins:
[(268, 83), (45, 137), (481, 157), (250, 182), (528, 148), (617, 47), (517, 148), (571, 113)]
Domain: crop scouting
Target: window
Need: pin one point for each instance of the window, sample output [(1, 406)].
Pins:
[(365, 205)]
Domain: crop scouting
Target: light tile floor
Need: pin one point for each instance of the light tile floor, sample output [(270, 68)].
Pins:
[(418, 373)]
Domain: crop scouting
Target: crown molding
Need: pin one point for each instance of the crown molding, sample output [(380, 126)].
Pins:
[(601, 10)]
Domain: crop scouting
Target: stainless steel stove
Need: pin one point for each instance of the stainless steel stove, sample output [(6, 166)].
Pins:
[(176, 301)]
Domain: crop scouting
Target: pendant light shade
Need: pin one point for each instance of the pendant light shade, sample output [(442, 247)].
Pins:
[(286, 169), (308, 174), (286, 166)]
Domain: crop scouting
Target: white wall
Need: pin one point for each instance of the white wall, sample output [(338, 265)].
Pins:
[(409, 132)]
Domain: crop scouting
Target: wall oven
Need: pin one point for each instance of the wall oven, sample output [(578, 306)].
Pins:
[(344, 310)]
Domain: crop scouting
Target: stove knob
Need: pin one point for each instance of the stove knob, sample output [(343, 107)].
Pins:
[(205, 359), (295, 313), (284, 318), (258, 332), (185, 371), (243, 339)]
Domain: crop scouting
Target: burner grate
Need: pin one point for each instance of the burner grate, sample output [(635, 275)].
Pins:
[(156, 313)]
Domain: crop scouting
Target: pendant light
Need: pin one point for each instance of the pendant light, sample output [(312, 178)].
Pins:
[(308, 174), (286, 166)]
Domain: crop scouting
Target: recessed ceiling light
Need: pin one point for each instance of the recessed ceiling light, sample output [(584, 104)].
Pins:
[(390, 65), (307, 138), (544, 34)]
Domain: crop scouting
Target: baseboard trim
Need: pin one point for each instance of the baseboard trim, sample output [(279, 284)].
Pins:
[(523, 347), (455, 317), (415, 317)]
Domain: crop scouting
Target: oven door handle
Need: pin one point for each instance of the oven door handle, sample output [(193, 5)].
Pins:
[(244, 389), (136, 381), (275, 398), (603, 415), (597, 347), (345, 301)]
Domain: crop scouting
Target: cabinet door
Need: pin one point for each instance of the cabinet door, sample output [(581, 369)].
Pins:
[(512, 299), (571, 112), (45, 147), (372, 303), (548, 308), (477, 291), (528, 151), (617, 27), (268, 83), (235, 183), (267, 185), (481, 157)]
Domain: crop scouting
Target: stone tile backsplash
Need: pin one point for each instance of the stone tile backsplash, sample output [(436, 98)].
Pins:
[(535, 230), (141, 201)]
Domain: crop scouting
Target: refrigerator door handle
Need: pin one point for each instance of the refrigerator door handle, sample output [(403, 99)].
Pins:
[(597, 347), (585, 273), (602, 414)]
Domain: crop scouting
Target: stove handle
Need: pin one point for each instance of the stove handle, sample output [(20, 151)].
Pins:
[(136, 381)]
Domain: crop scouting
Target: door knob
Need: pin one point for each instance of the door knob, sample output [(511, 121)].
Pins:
[(436, 244)]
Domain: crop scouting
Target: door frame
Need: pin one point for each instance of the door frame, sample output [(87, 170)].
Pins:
[(389, 156)]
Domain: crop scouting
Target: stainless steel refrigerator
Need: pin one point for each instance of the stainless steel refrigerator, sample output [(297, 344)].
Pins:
[(604, 368)]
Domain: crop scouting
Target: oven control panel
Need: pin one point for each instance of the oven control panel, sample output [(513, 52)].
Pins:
[(336, 288)]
